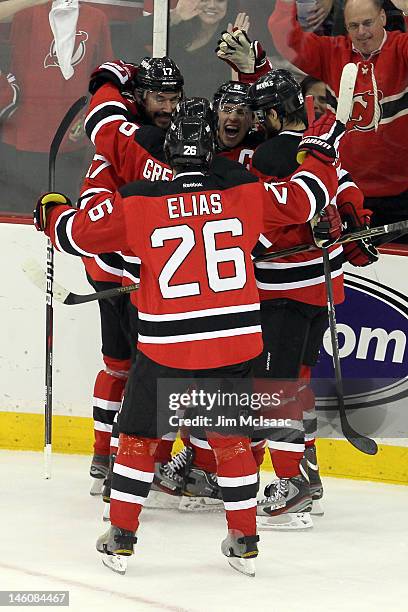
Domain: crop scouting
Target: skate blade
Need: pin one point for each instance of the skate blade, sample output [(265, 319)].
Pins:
[(288, 521), (245, 566), (106, 512), (200, 504), (317, 508), (162, 501), (96, 487), (116, 563)]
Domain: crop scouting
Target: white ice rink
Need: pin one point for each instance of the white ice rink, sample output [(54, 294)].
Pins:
[(354, 559)]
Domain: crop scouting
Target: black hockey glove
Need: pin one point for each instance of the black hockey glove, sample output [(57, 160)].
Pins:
[(321, 140), (120, 73), (44, 204), (359, 253)]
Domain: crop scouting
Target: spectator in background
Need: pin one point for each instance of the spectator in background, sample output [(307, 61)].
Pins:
[(195, 27), (393, 11), (376, 148), (45, 96), (313, 87)]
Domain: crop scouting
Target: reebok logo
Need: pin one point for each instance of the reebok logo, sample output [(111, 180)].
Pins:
[(185, 185)]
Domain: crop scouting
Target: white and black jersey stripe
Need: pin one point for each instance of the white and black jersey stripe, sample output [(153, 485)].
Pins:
[(239, 492), (199, 324), (131, 268), (63, 235), (130, 485), (315, 189), (345, 181), (277, 276), (102, 114)]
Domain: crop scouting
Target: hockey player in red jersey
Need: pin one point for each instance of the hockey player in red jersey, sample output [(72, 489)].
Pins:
[(198, 306), (157, 85), (293, 296)]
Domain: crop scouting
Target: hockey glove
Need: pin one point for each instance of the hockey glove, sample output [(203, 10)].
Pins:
[(321, 140), (360, 252), (240, 53), (120, 73), (44, 204), (327, 226)]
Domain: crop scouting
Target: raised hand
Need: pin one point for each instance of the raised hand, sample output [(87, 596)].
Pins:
[(241, 23), (185, 10)]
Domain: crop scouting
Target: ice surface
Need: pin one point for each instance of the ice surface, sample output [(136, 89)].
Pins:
[(354, 558)]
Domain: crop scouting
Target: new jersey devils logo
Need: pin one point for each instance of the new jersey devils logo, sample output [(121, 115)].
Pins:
[(77, 56), (364, 111)]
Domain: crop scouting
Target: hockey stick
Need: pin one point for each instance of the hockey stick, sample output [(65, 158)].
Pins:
[(38, 277), (391, 228), (362, 443), (49, 312)]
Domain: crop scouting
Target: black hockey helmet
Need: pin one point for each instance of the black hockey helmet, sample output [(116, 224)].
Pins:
[(231, 92), (158, 74), (189, 142), (197, 107), (277, 89)]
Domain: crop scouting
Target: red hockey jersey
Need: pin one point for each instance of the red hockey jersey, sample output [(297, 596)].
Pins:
[(298, 277), (376, 160), (198, 301)]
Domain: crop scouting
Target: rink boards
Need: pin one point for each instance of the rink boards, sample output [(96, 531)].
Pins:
[(373, 326)]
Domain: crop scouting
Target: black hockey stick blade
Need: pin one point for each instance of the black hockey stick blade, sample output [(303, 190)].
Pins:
[(366, 445), (360, 442), (38, 277), (77, 298), (59, 135)]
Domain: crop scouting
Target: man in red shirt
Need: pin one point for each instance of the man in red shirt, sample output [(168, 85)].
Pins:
[(377, 144)]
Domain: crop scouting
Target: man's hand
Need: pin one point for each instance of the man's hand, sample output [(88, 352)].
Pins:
[(327, 226), (359, 253), (44, 204), (240, 53), (321, 140), (322, 10), (119, 73)]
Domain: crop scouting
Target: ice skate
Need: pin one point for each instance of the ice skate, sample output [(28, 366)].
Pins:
[(316, 486), (241, 551), (169, 481), (98, 471), (115, 545), (201, 493), (286, 505)]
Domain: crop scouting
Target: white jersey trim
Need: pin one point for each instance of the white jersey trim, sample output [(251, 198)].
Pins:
[(224, 333), (195, 314)]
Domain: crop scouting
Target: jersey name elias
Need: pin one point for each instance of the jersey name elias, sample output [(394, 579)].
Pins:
[(194, 205)]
